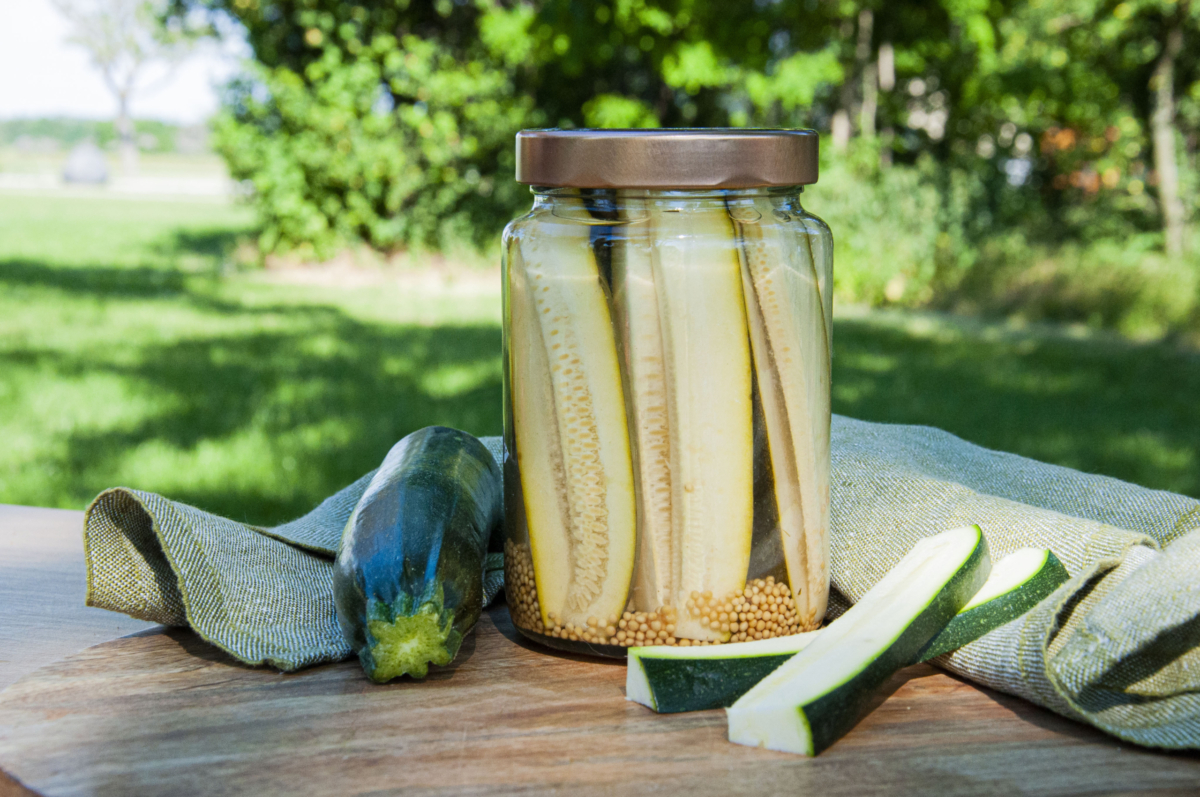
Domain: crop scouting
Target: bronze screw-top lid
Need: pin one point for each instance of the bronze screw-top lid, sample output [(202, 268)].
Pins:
[(667, 158)]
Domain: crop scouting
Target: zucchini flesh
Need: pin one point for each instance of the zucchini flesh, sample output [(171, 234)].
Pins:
[(408, 578), (820, 693), (703, 319), (570, 427), (672, 679), (790, 344), (635, 304), (1017, 583)]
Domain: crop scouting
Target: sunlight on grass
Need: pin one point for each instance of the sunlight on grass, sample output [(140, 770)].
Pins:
[(130, 354), (447, 381), (68, 231), (1098, 404), (125, 361)]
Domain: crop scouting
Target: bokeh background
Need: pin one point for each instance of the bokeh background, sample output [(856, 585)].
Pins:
[(246, 245)]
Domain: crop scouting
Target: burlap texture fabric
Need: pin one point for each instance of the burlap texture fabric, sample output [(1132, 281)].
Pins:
[(1118, 646), (263, 595)]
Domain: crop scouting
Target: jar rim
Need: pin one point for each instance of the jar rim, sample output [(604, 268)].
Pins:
[(667, 158), (554, 191)]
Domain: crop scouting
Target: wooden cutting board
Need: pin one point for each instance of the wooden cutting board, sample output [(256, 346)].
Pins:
[(165, 713)]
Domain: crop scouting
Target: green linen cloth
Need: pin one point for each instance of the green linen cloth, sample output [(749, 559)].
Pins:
[(1118, 646), (263, 595)]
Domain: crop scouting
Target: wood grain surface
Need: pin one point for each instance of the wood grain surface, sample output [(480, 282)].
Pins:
[(42, 586), (162, 712)]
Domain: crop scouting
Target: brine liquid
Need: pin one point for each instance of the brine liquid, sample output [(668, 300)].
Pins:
[(666, 420)]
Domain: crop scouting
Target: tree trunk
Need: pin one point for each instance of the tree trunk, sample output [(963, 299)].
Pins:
[(1162, 123), (870, 74), (840, 129), (125, 133), (840, 126), (886, 61), (887, 67)]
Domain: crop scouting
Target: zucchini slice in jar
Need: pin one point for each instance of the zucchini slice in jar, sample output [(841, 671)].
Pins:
[(819, 694), (570, 427), (703, 319), (790, 344), (635, 305)]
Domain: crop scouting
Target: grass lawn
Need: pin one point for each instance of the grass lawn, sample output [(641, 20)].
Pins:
[(131, 354)]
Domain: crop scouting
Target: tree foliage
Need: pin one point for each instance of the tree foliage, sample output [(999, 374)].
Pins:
[(392, 121), (384, 122)]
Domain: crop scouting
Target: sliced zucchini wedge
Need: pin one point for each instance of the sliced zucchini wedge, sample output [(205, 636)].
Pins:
[(570, 427), (819, 694), (672, 679), (1017, 583), (790, 344), (698, 285), (635, 307)]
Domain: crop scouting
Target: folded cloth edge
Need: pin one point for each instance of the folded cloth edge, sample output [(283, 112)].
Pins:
[(1039, 681)]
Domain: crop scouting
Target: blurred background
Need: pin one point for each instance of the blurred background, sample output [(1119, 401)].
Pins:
[(246, 245)]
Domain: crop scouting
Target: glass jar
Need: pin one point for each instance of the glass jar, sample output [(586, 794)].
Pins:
[(667, 323)]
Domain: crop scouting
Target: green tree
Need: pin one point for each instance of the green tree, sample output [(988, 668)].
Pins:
[(124, 38), (392, 122), (1162, 38), (385, 122), (1098, 83)]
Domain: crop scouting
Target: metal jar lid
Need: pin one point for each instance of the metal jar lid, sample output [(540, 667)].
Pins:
[(667, 158)]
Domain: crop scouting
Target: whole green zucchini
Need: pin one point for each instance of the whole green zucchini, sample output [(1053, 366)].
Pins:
[(408, 581)]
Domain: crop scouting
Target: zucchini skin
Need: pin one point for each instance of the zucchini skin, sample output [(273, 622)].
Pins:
[(970, 625), (408, 578), (689, 685), (832, 715)]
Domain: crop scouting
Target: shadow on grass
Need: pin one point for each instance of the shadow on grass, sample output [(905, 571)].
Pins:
[(216, 243), (273, 407), (102, 281), (276, 407), (323, 404), (169, 262), (1123, 410)]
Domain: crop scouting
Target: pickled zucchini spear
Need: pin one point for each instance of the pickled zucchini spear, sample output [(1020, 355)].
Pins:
[(635, 303), (819, 694), (671, 679), (790, 343), (569, 419), (707, 374), (1017, 583)]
